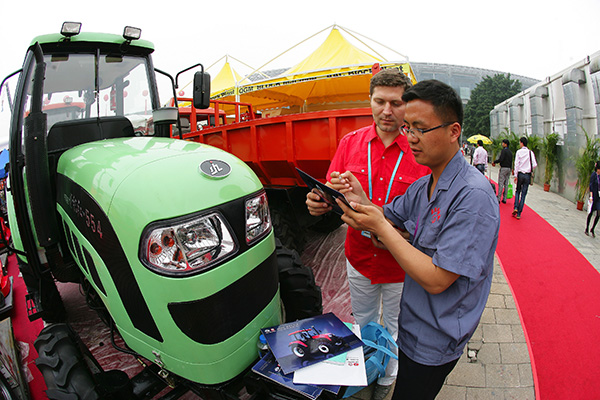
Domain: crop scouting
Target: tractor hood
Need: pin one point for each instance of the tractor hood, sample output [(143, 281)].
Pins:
[(114, 194), (162, 177)]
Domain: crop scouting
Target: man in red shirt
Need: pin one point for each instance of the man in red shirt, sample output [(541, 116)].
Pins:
[(379, 156)]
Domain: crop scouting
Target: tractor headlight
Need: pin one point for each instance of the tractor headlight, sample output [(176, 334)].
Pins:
[(258, 219), (189, 246)]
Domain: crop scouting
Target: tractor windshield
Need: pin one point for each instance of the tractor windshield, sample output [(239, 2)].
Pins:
[(81, 86)]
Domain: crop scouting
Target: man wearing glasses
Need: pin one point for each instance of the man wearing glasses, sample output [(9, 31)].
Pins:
[(379, 157), (451, 219)]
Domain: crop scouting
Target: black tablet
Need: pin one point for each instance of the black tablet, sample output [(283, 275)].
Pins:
[(327, 194)]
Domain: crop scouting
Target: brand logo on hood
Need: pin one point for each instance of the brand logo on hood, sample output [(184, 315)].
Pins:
[(215, 168)]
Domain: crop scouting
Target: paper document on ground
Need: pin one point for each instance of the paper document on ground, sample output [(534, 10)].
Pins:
[(351, 373), (268, 367)]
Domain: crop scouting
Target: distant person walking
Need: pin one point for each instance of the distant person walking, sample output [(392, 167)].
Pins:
[(525, 163), (505, 161), (480, 157), (595, 196)]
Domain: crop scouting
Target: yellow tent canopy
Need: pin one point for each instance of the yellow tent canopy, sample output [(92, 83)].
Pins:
[(336, 71), (225, 78)]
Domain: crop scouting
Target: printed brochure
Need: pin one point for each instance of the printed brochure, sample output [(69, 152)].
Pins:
[(309, 341)]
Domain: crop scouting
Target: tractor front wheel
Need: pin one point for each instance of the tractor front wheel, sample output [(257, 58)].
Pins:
[(300, 295), (61, 363)]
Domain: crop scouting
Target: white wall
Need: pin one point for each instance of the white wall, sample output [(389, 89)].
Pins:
[(567, 103)]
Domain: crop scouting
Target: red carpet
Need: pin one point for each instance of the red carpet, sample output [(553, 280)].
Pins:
[(557, 292)]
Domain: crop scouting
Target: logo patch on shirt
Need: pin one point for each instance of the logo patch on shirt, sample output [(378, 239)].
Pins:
[(435, 214)]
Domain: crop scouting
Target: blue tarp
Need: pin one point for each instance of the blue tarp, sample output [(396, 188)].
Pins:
[(3, 162)]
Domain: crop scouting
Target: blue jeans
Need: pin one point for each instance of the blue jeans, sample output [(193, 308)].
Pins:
[(522, 186)]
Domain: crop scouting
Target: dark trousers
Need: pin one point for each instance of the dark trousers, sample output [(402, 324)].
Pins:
[(589, 218), (522, 186), (417, 381)]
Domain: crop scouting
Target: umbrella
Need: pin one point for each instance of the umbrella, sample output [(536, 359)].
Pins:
[(3, 162), (473, 139)]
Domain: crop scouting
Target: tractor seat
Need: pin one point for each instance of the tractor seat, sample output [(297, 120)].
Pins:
[(66, 134)]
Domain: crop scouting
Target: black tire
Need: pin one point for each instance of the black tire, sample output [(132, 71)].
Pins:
[(300, 295), (287, 230), (329, 222), (61, 363), (6, 392)]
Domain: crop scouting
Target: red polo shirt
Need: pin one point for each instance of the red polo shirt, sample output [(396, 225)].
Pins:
[(352, 155)]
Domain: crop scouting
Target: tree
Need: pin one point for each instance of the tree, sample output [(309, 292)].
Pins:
[(489, 92)]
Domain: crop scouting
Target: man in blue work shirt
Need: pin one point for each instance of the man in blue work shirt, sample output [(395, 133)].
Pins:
[(450, 220)]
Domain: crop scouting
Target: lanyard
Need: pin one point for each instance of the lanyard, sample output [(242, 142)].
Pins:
[(391, 179)]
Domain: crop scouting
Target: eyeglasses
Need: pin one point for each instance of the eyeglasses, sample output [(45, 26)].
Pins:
[(421, 132)]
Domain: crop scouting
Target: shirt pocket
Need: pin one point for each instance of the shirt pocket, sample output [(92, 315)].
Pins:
[(361, 173), (428, 238), (399, 186)]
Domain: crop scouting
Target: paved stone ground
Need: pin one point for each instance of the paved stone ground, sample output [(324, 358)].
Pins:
[(496, 363)]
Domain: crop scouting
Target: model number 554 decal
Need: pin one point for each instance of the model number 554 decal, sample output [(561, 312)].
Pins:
[(83, 213)]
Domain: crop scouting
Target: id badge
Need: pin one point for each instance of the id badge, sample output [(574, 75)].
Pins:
[(366, 234)]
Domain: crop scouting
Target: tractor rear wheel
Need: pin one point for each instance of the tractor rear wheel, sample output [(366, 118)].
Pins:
[(61, 363), (300, 295)]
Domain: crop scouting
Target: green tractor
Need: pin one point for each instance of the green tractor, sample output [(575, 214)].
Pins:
[(171, 240)]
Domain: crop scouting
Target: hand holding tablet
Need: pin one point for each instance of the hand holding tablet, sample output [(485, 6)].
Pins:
[(326, 193)]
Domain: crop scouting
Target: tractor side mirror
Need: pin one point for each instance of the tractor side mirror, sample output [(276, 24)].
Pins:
[(201, 89)]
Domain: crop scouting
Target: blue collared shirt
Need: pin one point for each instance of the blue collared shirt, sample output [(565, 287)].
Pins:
[(458, 228)]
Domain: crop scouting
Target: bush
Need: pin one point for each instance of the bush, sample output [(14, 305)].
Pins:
[(584, 165), (550, 151)]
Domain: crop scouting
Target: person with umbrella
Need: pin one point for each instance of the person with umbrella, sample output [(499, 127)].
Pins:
[(480, 157)]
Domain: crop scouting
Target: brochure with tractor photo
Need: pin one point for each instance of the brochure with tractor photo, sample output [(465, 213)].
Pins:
[(308, 341), (349, 372)]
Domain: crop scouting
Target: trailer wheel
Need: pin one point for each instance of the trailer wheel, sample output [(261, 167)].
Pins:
[(287, 230), (300, 295), (61, 363)]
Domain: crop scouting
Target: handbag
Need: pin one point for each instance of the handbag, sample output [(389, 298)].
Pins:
[(531, 165), (377, 344), (590, 202), (509, 191)]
